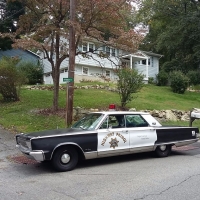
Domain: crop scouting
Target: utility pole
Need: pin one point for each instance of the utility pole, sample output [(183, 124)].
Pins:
[(72, 52)]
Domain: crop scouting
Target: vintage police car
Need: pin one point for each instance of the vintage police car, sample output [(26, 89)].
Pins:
[(102, 134)]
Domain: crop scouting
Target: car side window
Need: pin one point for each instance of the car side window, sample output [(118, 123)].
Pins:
[(135, 121), (104, 125), (113, 121)]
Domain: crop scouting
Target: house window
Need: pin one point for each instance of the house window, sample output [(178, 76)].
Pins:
[(113, 52), (66, 69), (108, 51), (62, 71), (84, 47), (125, 64), (85, 70), (144, 62), (48, 74), (88, 47), (107, 73), (91, 47)]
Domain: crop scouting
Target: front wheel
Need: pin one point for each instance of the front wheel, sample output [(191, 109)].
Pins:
[(163, 150), (65, 159)]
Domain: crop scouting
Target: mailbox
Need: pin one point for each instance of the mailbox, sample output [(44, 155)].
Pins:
[(194, 114)]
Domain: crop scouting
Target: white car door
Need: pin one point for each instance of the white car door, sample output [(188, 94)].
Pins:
[(142, 136), (113, 136)]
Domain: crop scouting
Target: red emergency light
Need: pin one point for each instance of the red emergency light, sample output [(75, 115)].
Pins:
[(112, 107)]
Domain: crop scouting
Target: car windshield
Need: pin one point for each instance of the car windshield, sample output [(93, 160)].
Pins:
[(89, 122)]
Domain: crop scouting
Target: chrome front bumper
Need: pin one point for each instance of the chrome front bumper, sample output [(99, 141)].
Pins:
[(36, 155)]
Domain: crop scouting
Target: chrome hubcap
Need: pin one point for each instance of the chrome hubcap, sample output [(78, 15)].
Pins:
[(65, 158), (163, 147)]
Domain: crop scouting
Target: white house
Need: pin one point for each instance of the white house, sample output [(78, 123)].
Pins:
[(146, 63)]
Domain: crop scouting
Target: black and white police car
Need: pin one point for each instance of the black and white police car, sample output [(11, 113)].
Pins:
[(103, 134)]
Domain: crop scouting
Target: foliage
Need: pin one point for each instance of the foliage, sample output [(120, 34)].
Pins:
[(33, 72), (178, 82), (151, 80), (46, 26), (10, 79), (10, 12), (162, 78), (194, 77), (173, 65), (129, 82), (173, 30)]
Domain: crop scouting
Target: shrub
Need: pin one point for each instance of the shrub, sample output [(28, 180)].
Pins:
[(173, 65), (162, 78), (179, 82), (129, 82), (10, 79), (33, 72), (151, 80), (194, 77)]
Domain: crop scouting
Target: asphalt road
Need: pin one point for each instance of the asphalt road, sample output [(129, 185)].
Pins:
[(132, 177)]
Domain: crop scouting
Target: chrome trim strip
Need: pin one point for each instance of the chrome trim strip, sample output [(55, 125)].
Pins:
[(67, 143), (61, 135), (175, 127), (113, 153), (90, 155), (178, 143), (142, 149)]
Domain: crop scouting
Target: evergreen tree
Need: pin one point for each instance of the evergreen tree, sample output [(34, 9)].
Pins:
[(173, 30), (9, 15)]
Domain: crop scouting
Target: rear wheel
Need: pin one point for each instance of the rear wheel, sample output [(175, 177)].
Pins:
[(163, 150), (65, 159)]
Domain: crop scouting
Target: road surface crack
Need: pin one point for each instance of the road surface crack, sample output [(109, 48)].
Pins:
[(157, 194)]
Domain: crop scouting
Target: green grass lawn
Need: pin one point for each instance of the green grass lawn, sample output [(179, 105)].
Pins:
[(22, 116)]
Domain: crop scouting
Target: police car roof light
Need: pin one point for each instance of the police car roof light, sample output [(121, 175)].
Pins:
[(112, 107)]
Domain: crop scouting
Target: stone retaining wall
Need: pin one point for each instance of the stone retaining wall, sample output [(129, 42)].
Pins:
[(61, 87), (161, 115)]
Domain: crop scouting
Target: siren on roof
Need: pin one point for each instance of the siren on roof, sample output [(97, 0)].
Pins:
[(112, 107)]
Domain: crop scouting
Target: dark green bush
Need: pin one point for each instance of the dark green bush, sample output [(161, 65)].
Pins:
[(151, 81), (172, 65), (178, 82), (194, 77), (33, 72), (162, 78), (10, 79)]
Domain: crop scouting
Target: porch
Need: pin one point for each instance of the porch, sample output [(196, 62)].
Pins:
[(138, 61)]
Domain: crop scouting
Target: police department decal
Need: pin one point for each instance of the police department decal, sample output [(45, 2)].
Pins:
[(113, 143)]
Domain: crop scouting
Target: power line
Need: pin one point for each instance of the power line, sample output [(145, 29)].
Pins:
[(11, 15)]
